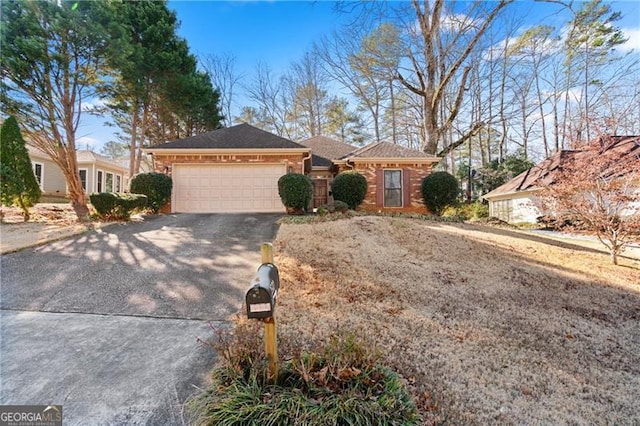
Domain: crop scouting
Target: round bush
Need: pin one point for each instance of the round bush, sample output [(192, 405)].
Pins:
[(349, 187), (111, 205), (296, 190), (156, 186), (440, 190)]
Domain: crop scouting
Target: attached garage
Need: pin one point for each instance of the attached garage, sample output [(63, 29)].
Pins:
[(230, 170), (227, 188)]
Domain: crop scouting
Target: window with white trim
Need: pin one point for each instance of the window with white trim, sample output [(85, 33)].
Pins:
[(38, 169), (393, 188), (108, 187), (118, 183), (99, 181), (83, 178)]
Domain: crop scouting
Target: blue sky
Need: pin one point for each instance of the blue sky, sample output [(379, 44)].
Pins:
[(280, 32)]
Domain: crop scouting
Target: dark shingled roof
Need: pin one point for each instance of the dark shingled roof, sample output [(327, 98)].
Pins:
[(241, 136), (387, 150), (626, 149), (327, 148), (318, 161)]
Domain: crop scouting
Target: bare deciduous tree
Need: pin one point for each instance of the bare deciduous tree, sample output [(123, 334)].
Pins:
[(598, 190), (224, 77), (442, 45)]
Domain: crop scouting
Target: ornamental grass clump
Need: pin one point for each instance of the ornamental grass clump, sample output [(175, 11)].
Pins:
[(342, 382)]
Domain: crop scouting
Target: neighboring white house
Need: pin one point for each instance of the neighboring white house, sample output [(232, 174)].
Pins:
[(97, 173), (517, 201)]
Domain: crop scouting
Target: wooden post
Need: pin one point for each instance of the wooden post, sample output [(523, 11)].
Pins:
[(270, 335)]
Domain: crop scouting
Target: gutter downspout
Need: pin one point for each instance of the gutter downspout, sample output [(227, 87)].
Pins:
[(308, 157), (350, 164)]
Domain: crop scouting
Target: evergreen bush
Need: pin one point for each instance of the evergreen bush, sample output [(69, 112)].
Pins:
[(440, 190), (296, 191), (18, 184), (114, 206), (349, 187), (156, 186)]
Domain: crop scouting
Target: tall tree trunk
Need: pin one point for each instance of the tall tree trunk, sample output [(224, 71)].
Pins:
[(142, 138), (545, 142), (393, 113), (134, 140)]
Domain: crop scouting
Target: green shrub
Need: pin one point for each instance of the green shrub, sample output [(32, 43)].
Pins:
[(336, 206), (114, 206), (440, 190), (349, 187), (296, 191), (343, 382), (18, 184), (476, 210), (156, 186), (479, 210)]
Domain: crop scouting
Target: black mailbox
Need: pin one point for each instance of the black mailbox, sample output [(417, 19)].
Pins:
[(261, 296)]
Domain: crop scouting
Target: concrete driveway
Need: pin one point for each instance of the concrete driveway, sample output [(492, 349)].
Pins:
[(105, 323)]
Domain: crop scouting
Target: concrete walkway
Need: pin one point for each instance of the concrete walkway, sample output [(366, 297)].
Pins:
[(106, 323)]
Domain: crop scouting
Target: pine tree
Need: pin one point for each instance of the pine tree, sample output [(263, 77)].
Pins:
[(18, 184)]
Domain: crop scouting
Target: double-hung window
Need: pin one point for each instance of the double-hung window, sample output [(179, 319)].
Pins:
[(83, 178), (393, 188), (99, 181), (37, 170), (109, 182)]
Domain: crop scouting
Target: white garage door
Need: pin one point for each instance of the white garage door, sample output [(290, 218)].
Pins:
[(216, 188)]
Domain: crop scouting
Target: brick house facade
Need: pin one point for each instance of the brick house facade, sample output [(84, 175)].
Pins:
[(376, 162), (236, 169)]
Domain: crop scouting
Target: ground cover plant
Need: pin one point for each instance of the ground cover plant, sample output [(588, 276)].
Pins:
[(488, 325), (337, 382)]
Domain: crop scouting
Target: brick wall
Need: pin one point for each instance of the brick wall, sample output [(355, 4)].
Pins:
[(164, 163), (417, 172)]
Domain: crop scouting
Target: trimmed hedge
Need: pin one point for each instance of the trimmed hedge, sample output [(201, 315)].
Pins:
[(440, 190), (349, 187), (115, 206), (156, 186), (296, 191)]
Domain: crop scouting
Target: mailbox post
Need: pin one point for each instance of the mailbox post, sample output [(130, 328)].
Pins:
[(261, 303)]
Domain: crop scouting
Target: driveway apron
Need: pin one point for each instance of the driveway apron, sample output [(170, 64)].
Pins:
[(105, 323)]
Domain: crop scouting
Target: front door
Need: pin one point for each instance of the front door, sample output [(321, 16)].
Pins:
[(319, 192)]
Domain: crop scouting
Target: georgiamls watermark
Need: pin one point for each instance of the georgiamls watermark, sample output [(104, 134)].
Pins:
[(30, 415)]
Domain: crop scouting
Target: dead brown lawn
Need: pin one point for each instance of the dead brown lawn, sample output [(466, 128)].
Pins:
[(48, 222), (488, 325)]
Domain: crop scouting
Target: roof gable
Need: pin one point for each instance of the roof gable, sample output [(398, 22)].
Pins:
[(388, 150), (625, 148), (241, 136), (83, 157), (328, 148)]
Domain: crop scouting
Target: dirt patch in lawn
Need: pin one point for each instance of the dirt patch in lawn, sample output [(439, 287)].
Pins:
[(488, 325), (48, 222)]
